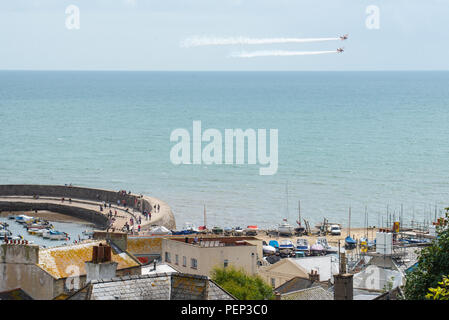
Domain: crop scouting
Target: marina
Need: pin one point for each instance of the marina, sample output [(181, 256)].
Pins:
[(67, 234)]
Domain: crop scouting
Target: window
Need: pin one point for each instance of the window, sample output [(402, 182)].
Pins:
[(225, 263), (194, 263), (273, 282), (167, 256), (184, 261), (176, 259)]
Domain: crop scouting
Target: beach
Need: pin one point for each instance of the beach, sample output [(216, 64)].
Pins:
[(356, 233)]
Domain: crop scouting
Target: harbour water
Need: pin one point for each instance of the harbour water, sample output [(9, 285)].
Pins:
[(74, 230), (373, 139)]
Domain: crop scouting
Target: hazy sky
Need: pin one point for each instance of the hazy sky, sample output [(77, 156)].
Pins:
[(146, 34)]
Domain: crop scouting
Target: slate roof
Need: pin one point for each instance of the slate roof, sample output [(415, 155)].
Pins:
[(161, 286), (314, 293), (61, 261), (297, 283)]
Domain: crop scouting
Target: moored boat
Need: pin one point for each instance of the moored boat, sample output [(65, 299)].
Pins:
[(302, 244), (350, 243), (267, 249), (251, 230), (238, 231), (317, 249), (217, 230), (286, 229), (54, 235)]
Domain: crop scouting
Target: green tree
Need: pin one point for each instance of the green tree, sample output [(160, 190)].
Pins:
[(433, 264), (441, 292), (241, 285)]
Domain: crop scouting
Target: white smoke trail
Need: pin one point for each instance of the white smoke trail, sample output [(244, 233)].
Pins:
[(268, 53), (207, 41)]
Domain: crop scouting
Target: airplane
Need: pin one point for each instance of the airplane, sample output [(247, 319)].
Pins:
[(340, 50), (344, 37)]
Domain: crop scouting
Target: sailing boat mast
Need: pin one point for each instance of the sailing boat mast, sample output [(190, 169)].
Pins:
[(286, 189), (205, 221), (349, 223), (299, 212)]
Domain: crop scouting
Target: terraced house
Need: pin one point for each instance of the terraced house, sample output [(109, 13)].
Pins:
[(55, 272)]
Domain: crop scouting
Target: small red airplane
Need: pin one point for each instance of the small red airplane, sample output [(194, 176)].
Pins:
[(344, 37), (340, 50)]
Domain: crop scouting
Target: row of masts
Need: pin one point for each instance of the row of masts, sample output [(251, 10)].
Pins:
[(390, 217)]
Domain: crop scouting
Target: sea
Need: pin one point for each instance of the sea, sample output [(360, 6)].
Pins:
[(374, 142)]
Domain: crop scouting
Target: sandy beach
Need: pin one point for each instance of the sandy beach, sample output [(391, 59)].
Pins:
[(356, 233)]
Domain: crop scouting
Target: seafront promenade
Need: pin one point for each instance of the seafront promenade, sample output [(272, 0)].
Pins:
[(93, 205)]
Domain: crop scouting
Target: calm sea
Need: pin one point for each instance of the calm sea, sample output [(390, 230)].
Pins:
[(346, 139)]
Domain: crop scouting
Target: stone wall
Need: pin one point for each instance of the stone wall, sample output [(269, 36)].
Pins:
[(67, 192), (133, 201), (100, 220)]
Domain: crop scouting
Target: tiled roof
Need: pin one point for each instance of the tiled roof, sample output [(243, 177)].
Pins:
[(162, 286), (144, 245), (314, 293), (62, 262)]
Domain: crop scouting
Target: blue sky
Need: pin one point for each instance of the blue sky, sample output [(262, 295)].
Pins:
[(146, 34)]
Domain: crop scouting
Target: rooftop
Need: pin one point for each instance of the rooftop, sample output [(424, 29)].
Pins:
[(160, 286), (216, 241), (314, 293), (61, 262)]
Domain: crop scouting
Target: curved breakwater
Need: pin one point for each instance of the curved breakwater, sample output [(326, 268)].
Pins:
[(84, 203)]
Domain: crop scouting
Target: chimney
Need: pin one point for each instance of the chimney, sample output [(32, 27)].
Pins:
[(342, 267), (314, 276), (343, 286), (101, 266)]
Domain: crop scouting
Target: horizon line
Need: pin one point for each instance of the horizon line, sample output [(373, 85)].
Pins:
[(136, 70)]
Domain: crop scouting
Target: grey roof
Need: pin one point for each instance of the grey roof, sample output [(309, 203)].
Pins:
[(314, 293), (295, 284), (160, 286), (376, 279), (409, 258)]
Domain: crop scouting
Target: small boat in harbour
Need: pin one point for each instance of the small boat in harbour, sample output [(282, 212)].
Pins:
[(238, 231), (251, 230), (274, 244), (317, 249), (350, 243), (267, 249), (286, 245), (22, 218), (302, 244), (228, 231), (5, 232), (55, 235), (286, 229), (217, 230)]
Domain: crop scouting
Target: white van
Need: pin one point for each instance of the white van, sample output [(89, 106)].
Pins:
[(335, 230)]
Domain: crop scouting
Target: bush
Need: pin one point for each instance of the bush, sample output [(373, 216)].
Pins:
[(241, 285), (433, 264)]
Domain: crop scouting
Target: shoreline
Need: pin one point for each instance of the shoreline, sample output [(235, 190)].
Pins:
[(356, 233)]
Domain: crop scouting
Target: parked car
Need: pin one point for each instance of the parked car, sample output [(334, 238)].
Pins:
[(335, 230)]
